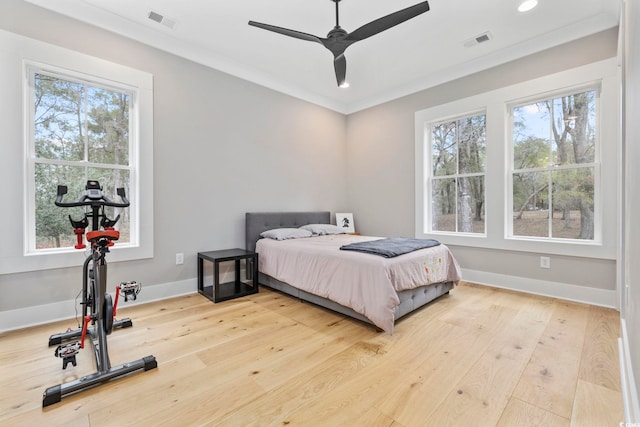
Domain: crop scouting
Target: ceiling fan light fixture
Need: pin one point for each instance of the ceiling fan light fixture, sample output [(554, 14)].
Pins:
[(527, 5)]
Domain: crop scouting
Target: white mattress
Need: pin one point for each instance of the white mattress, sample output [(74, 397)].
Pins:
[(366, 283)]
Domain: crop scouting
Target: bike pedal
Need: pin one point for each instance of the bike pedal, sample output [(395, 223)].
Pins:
[(130, 290), (67, 352)]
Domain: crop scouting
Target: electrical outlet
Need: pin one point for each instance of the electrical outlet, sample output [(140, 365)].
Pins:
[(545, 262), (179, 259)]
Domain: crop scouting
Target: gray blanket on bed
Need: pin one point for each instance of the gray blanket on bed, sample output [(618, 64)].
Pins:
[(390, 247)]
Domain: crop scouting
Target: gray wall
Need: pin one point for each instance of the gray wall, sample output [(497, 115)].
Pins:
[(381, 171), (222, 146), (631, 304)]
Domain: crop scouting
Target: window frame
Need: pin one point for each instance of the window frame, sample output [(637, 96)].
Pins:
[(595, 165), (17, 54), (430, 180), (498, 157), (33, 68)]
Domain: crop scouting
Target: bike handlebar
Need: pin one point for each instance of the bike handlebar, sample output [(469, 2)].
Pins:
[(87, 200)]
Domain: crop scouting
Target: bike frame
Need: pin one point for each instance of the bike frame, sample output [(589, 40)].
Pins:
[(97, 319)]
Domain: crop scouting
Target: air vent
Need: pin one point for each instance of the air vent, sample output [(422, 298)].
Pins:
[(155, 17), (480, 38), (161, 19)]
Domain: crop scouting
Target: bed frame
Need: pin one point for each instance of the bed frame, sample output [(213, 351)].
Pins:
[(257, 222)]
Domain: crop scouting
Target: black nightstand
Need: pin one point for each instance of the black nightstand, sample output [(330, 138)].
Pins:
[(217, 291)]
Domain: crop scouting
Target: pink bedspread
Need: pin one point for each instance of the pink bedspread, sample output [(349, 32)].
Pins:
[(366, 283)]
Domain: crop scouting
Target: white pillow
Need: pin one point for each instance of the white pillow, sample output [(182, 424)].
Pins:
[(323, 229), (286, 233)]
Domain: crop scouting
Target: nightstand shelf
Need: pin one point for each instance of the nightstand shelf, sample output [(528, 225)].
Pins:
[(236, 288)]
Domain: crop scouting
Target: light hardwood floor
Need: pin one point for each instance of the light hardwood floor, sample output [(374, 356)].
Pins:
[(477, 357)]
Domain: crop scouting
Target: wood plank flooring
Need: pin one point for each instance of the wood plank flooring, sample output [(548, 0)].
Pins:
[(477, 357)]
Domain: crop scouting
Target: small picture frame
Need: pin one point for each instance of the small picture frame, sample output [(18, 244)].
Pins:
[(345, 221)]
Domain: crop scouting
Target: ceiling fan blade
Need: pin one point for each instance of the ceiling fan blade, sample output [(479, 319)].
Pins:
[(287, 32), (340, 65), (386, 22)]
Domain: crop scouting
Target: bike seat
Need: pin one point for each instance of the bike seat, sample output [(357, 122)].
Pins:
[(94, 236)]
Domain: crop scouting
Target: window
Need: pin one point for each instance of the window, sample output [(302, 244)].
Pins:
[(533, 165), (554, 167), (457, 178), (74, 157), (81, 130)]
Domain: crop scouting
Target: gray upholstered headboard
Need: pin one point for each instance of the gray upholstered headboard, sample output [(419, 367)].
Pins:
[(257, 222)]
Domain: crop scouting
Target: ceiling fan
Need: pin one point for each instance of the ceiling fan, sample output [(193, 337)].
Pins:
[(338, 40)]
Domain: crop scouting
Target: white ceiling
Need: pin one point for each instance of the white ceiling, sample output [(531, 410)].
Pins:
[(417, 54)]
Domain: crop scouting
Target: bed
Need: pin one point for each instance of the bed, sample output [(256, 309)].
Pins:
[(381, 307)]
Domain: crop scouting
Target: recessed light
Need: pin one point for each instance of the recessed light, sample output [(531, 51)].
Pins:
[(527, 5)]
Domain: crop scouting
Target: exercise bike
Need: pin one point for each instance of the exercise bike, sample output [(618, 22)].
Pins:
[(98, 309)]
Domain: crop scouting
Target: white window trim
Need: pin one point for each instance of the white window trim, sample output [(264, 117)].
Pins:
[(496, 104), (16, 53)]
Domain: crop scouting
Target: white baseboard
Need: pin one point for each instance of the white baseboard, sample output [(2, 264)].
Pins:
[(37, 315), (583, 294), (629, 390), (47, 313)]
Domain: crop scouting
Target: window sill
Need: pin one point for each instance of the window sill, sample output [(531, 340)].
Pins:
[(556, 247), (68, 258)]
